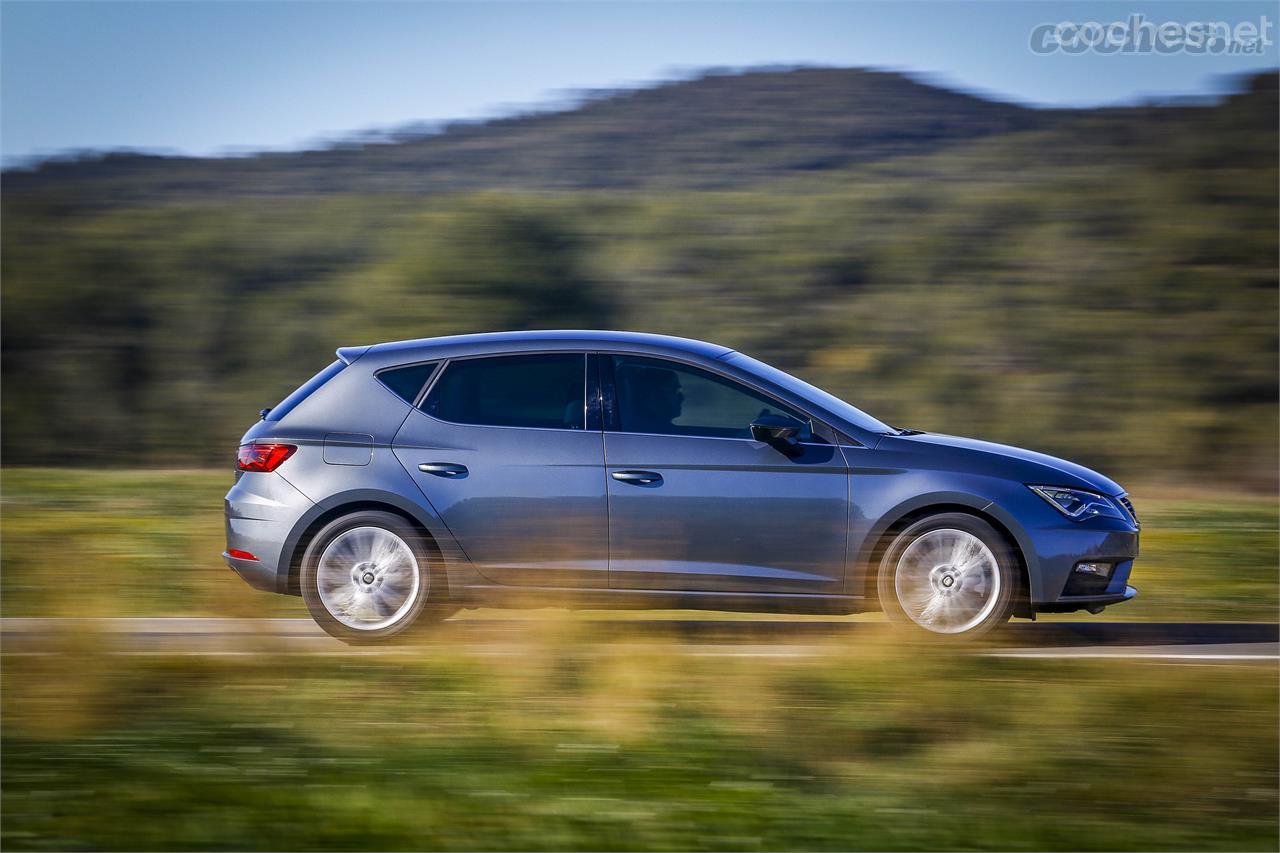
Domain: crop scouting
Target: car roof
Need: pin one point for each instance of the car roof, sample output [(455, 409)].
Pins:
[(551, 339)]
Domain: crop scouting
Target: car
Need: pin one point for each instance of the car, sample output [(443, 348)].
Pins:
[(594, 469)]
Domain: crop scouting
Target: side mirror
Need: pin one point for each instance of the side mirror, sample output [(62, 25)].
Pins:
[(777, 430)]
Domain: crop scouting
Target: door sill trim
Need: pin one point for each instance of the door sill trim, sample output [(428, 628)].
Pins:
[(497, 595)]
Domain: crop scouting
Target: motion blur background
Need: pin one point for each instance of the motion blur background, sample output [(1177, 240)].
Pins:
[(900, 203)]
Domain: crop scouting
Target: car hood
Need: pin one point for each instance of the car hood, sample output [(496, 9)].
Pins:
[(1013, 462)]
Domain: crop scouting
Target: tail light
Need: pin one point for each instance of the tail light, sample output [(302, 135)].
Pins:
[(263, 457)]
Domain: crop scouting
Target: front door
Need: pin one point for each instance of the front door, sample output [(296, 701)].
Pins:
[(696, 504), (501, 448)]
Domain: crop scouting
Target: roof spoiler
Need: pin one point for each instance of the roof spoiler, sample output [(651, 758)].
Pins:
[(350, 354)]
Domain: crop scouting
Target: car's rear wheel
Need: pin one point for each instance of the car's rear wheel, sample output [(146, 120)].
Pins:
[(368, 577), (950, 574)]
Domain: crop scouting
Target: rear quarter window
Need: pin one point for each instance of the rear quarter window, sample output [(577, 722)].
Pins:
[(406, 382)]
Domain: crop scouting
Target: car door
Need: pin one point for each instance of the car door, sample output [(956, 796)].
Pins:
[(504, 449), (696, 504)]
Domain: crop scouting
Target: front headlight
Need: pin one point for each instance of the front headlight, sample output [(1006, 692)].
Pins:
[(1077, 504)]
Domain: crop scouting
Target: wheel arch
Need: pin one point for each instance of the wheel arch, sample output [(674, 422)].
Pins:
[(903, 516), (290, 566)]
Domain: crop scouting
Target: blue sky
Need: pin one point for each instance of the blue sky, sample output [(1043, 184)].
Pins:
[(205, 78)]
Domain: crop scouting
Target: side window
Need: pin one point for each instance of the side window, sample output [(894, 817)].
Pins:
[(406, 382), (669, 398), (544, 390)]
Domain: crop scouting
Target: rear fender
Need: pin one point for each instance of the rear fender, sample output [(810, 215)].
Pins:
[(457, 568)]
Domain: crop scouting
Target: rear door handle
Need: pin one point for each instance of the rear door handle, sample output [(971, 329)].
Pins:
[(638, 478), (443, 469)]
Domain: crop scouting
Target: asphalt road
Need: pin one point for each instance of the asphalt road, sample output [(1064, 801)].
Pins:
[(1189, 642)]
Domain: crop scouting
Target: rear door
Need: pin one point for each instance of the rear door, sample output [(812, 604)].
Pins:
[(504, 449), (696, 504)]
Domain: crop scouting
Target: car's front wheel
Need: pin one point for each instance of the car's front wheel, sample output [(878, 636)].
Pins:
[(950, 574), (367, 577)]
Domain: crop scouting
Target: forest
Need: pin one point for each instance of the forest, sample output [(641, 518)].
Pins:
[(1099, 284)]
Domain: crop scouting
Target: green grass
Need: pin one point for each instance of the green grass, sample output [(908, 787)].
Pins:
[(563, 742), (146, 543), (121, 543), (542, 733), (1210, 556)]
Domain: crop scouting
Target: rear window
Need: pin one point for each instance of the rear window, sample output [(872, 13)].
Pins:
[(406, 382), (544, 390), (288, 404)]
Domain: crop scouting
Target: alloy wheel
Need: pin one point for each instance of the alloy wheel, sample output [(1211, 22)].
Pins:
[(368, 578), (947, 581)]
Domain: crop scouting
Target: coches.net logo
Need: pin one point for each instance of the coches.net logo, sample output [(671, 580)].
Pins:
[(1136, 35)]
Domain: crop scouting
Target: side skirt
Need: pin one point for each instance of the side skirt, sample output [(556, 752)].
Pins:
[(512, 597)]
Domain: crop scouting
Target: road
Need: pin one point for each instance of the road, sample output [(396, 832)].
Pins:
[(1188, 643)]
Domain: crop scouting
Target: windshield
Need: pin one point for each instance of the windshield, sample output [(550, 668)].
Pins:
[(830, 402)]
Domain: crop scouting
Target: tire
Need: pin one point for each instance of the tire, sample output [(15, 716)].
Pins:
[(950, 575), (369, 577)]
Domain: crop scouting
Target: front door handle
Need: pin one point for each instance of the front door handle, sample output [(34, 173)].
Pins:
[(443, 469), (637, 478)]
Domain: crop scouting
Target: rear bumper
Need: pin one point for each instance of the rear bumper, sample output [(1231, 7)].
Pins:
[(253, 572), (261, 512)]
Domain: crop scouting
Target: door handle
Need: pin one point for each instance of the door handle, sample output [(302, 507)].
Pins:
[(443, 469), (638, 478)]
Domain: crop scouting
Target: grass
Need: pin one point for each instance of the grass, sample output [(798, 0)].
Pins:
[(545, 733), (146, 543), (121, 543), (557, 741)]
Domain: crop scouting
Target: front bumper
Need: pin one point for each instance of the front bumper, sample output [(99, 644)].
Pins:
[(1094, 603), (1053, 545), (1064, 590)]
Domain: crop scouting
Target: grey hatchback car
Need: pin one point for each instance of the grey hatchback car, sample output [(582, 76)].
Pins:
[(615, 469)]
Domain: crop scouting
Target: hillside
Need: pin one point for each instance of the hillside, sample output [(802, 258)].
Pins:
[(1097, 284), (718, 130), (726, 130)]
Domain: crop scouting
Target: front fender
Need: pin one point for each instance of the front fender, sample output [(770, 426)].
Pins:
[(863, 550), (880, 502)]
